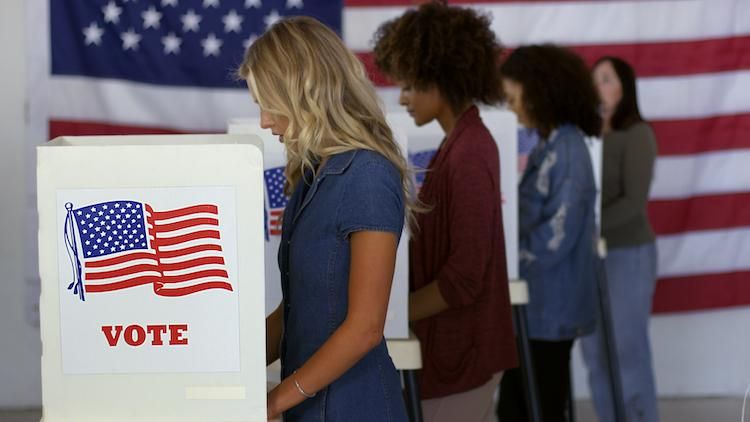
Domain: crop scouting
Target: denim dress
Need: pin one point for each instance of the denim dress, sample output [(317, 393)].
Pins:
[(354, 191)]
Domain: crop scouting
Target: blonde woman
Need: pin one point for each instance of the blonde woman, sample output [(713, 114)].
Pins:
[(348, 184)]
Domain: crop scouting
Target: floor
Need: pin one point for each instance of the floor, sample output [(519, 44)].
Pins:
[(672, 410)]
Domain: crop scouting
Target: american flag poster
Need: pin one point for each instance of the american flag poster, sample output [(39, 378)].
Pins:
[(148, 276)]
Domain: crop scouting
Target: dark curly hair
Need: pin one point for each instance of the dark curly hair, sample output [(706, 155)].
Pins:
[(449, 47), (557, 88)]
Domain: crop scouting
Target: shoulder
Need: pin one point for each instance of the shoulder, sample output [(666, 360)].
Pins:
[(475, 143), (367, 163)]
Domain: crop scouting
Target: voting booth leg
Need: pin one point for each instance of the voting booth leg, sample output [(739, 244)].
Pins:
[(527, 366), (411, 390), (608, 338), (571, 399)]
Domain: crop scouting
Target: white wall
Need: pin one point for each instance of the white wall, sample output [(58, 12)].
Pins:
[(695, 354), (20, 348)]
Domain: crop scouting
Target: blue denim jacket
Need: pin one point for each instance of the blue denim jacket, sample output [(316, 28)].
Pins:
[(557, 237), (354, 191)]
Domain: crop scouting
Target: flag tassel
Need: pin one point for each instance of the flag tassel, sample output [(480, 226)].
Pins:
[(72, 248)]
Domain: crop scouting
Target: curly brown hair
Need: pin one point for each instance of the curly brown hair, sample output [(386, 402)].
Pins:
[(557, 88), (452, 48)]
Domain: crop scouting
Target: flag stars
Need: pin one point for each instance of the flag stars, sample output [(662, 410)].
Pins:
[(249, 41), (130, 40), (151, 18), (166, 3), (171, 43), (210, 3), (129, 205), (296, 4), (190, 21), (93, 34), (112, 12), (271, 18), (211, 45), (232, 21), (252, 3)]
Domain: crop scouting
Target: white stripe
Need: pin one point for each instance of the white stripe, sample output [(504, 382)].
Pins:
[(720, 172), (584, 22), (103, 100), (195, 269), (187, 217), (121, 266), (77, 98), (118, 254), (185, 245), (185, 231), (704, 252), (695, 96), (188, 257), (196, 282), (122, 278)]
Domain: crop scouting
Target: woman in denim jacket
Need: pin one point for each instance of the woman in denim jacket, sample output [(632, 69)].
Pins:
[(348, 182), (551, 91)]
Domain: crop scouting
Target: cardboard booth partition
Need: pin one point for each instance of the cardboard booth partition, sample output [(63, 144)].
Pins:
[(151, 258)]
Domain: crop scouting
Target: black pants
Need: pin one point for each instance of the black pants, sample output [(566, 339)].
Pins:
[(552, 371)]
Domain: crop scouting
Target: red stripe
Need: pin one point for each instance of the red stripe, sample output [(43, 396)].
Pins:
[(182, 291), (648, 59), (122, 272), (161, 228), (187, 251), (194, 276), (203, 234), (678, 137), (120, 259), (177, 266), (181, 212), (676, 58), (690, 293), (91, 128), (700, 213), (138, 281)]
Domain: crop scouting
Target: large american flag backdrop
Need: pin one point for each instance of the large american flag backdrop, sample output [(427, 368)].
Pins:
[(164, 66)]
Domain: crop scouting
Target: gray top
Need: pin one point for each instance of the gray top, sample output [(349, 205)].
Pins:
[(628, 167)]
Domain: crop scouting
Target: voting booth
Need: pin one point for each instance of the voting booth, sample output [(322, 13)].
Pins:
[(397, 324), (151, 253)]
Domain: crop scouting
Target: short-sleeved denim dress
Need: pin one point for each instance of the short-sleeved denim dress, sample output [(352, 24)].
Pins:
[(354, 191)]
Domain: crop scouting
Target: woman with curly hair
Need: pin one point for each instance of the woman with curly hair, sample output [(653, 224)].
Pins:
[(551, 91), (349, 187), (445, 59)]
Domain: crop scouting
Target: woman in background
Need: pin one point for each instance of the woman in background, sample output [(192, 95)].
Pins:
[(348, 183), (445, 60), (628, 162), (551, 91)]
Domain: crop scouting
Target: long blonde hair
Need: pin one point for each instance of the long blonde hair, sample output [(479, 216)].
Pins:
[(300, 69)]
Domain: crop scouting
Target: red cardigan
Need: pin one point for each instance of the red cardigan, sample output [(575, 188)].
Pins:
[(460, 244)]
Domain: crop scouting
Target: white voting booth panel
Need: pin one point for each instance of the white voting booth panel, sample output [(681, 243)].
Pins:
[(396, 325), (151, 261), (424, 141)]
